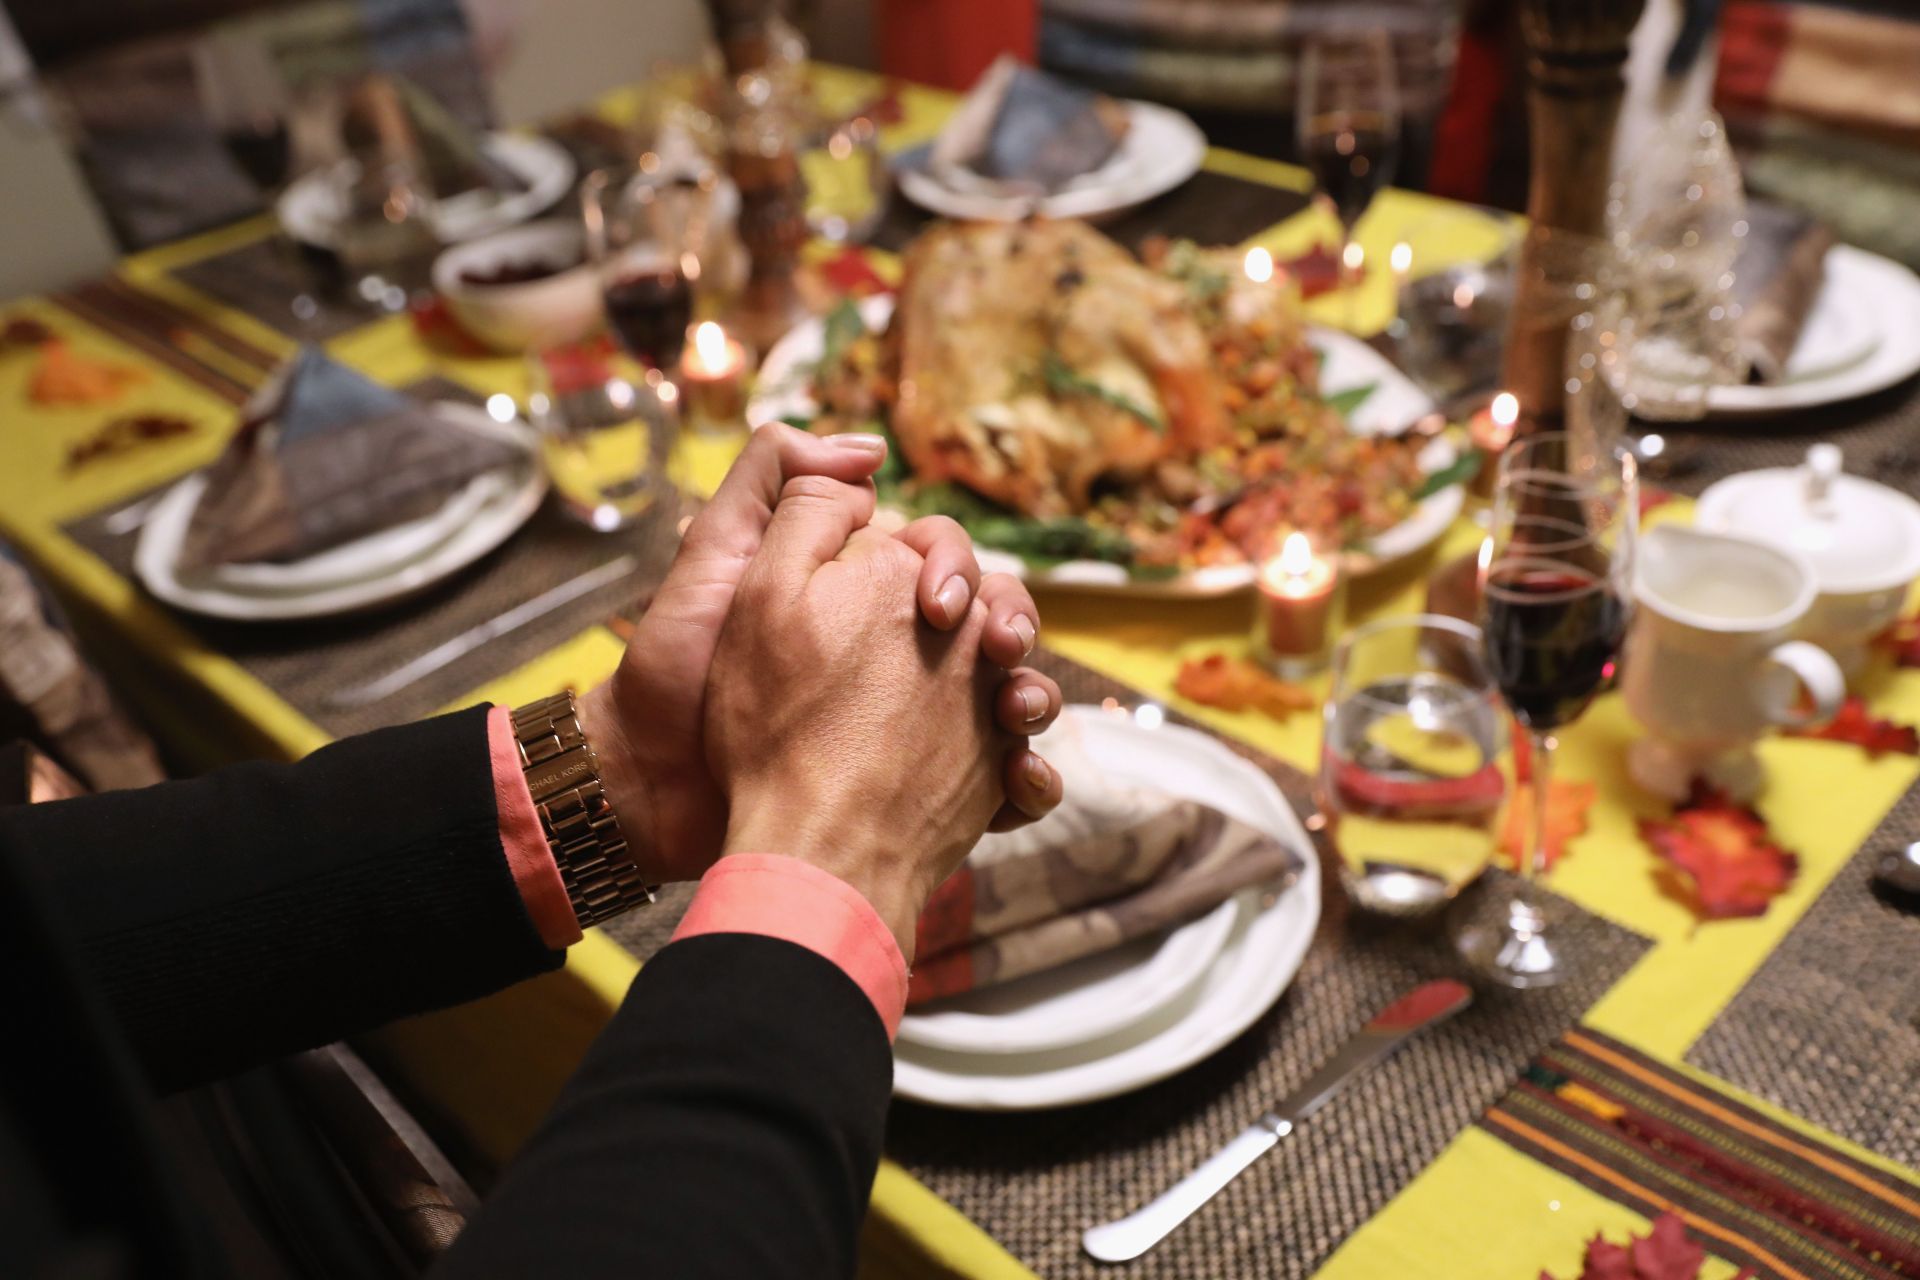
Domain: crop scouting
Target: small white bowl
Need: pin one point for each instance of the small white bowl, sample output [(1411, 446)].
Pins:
[(551, 311)]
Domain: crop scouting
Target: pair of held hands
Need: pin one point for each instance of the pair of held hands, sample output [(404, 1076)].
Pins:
[(808, 685)]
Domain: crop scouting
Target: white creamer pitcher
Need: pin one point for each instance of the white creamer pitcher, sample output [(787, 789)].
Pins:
[(1711, 662)]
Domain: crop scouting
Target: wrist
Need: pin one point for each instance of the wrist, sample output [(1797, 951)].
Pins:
[(622, 775), (863, 859)]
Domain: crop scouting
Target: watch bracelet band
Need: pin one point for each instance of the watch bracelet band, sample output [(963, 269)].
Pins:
[(575, 815)]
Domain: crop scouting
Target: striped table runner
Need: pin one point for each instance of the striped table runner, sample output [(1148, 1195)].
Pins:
[(1754, 1191)]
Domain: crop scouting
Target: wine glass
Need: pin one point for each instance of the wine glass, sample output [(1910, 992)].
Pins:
[(1556, 578), (645, 236), (607, 428), (246, 100), (1348, 116), (1408, 783)]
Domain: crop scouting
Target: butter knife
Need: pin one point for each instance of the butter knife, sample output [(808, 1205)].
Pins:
[(1133, 1235), (492, 629)]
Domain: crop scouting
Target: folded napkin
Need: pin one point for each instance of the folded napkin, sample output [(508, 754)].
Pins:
[(322, 456), (1776, 278), (454, 156), (1111, 864), (1026, 132)]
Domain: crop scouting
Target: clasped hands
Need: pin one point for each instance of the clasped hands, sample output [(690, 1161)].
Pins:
[(806, 684)]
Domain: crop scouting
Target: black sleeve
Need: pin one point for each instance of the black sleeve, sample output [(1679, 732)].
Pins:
[(727, 1123), (267, 908)]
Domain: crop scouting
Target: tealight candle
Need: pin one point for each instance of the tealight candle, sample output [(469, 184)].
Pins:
[(1491, 431), (1300, 599), (713, 379)]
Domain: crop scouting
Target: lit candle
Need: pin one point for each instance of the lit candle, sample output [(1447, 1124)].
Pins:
[(1300, 598), (1491, 431), (1400, 260), (713, 376), (1259, 265)]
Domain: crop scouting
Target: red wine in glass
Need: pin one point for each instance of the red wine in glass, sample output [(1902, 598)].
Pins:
[(1553, 631), (1352, 155), (650, 306)]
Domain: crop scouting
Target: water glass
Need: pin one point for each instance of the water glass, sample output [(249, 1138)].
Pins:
[(1408, 783), (608, 426)]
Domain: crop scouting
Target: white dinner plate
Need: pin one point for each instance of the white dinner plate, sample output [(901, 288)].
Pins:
[(1271, 930), (509, 505), (1161, 150), (312, 205), (1074, 1003), (784, 390), (1862, 336), (378, 553)]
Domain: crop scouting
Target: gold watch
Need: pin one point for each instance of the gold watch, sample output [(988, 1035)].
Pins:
[(575, 815)]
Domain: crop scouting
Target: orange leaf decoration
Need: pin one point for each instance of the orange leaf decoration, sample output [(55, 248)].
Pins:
[(1902, 640), (1876, 736), (1234, 684), (1724, 855), (1567, 805), (63, 377)]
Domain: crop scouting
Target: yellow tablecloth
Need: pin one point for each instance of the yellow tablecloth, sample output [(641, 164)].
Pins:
[(1480, 1200)]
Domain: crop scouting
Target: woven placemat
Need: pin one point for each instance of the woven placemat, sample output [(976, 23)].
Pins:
[(1880, 435), (306, 662), (1829, 1026), (1212, 208), (1034, 1180), (263, 277)]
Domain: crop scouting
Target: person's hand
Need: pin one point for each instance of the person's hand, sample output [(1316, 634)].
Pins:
[(846, 733), (645, 721)]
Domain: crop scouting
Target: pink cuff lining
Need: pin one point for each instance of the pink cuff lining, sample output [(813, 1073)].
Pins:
[(781, 897), (528, 854)]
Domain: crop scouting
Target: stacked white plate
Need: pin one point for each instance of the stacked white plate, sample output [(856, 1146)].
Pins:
[(1862, 336), (378, 569), (1122, 1020)]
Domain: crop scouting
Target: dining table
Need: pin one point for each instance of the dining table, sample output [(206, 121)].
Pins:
[(1756, 1076)]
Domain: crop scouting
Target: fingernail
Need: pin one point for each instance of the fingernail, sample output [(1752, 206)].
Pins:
[(1022, 627), (952, 599), (1034, 702), (1039, 773), (859, 442)]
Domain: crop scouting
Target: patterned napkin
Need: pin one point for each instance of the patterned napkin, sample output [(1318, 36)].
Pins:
[(1777, 278), (1114, 862), (322, 456), (1021, 131)]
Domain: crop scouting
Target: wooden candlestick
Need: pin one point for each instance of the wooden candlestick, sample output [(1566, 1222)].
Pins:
[(1575, 52)]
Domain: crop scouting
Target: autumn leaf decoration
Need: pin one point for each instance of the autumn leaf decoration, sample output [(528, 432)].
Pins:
[(1723, 861), (1873, 734), (1666, 1252), (1235, 684), (1567, 806)]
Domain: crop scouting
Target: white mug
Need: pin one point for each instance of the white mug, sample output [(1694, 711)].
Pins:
[(1710, 663)]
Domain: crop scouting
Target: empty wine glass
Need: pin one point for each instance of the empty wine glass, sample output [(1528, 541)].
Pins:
[(607, 427), (246, 100), (1556, 575), (1348, 118), (1408, 783)]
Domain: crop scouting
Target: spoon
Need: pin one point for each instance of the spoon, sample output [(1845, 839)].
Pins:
[(1896, 877)]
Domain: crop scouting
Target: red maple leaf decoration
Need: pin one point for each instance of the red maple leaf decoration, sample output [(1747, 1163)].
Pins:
[(850, 271), (1317, 271), (1902, 640), (1666, 1252), (1723, 858), (1653, 497), (1876, 736)]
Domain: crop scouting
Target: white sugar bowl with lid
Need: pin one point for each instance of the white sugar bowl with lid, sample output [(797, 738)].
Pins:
[(1862, 538)]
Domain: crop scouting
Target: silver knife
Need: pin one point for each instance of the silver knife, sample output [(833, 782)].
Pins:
[(467, 641), (1133, 1235)]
